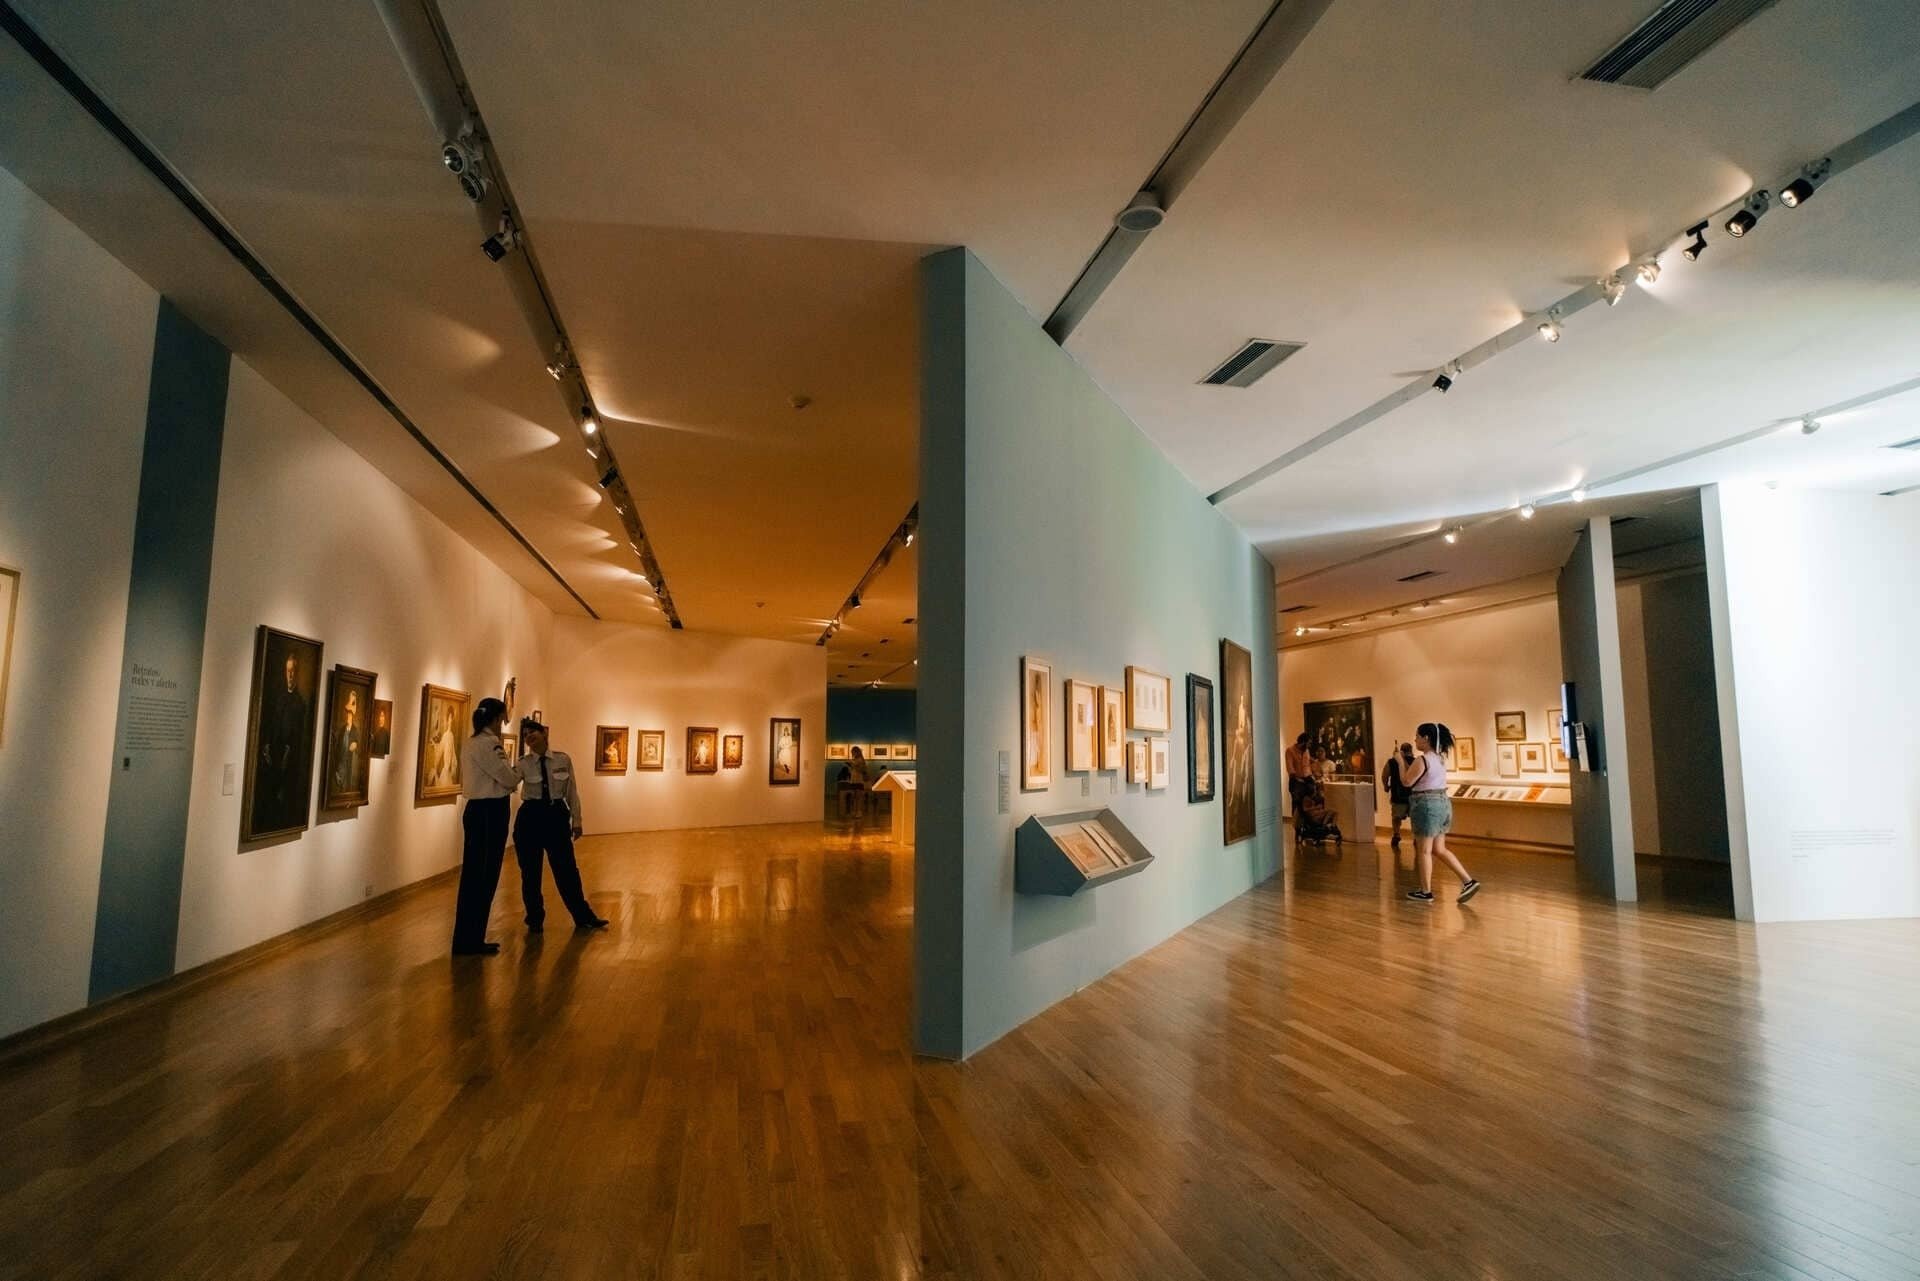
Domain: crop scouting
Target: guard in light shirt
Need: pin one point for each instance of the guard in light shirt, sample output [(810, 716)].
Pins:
[(549, 820), (487, 779)]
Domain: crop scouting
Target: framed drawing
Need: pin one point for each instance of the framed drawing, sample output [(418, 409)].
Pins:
[(1509, 754), (1236, 741), (382, 728), (1343, 729), (1557, 757), (510, 744), (1082, 726), (610, 749), (1113, 733), (9, 607), (1157, 769), (1510, 727), (733, 750), (783, 751), (839, 752), (1036, 725), (880, 752), (703, 749), (903, 751), (445, 722), (281, 717), (1149, 700), (347, 761), (1464, 758), (1554, 723), (1199, 738), (650, 749), (1137, 760), (1533, 758)]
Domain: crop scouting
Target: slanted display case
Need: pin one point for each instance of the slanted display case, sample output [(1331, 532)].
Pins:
[(1063, 854), (903, 786)]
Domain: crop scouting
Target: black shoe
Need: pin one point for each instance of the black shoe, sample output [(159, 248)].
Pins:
[(484, 949), (534, 927), (1468, 890), (1420, 896), (596, 923)]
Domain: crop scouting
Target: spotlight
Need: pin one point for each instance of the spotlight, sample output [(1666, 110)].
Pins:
[(609, 476), (1452, 535), (1613, 289), (588, 423), (558, 366), (1579, 494), (1648, 273), (1809, 425), (853, 601), (1801, 189), (1526, 511), (1142, 214), (908, 540), (1299, 631), (1749, 214), (502, 242), (1550, 327), (1443, 381), (460, 156)]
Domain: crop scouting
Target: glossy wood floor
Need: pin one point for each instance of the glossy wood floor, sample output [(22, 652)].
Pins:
[(1319, 1080)]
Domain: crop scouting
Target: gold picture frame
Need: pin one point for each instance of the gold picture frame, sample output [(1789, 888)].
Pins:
[(1465, 758), (650, 750), (733, 751), (446, 722), (1113, 728), (346, 756), (1149, 700), (610, 749), (283, 715), (1082, 726), (1036, 724), (703, 749)]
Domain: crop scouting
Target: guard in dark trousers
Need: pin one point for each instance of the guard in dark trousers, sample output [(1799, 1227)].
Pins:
[(549, 820), (487, 780)]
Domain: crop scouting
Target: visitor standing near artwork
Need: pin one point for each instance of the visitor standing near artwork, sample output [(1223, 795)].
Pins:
[(1432, 811), (1399, 795), (546, 827), (487, 780), (1299, 770)]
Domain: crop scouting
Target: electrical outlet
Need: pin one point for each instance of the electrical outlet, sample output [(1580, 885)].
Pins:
[(226, 781), (369, 893)]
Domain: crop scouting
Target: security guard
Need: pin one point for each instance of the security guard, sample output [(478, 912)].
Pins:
[(487, 781), (549, 820)]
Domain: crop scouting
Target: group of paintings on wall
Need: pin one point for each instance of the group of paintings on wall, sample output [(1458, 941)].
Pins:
[(1098, 718), (872, 751), (708, 751), (1518, 755)]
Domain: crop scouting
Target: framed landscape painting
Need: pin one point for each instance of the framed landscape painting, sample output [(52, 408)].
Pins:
[(1237, 814), (1036, 725), (650, 749), (703, 749), (1113, 729), (1199, 738), (839, 751), (610, 749), (903, 751), (1343, 729), (880, 752), (281, 718), (445, 723), (1149, 700), (382, 728), (347, 761), (1082, 727), (1510, 727), (783, 751), (733, 750)]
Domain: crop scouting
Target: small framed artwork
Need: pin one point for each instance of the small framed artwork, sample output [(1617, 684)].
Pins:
[(346, 760), (651, 747), (839, 751), (880, 752), (703, 749), (610, 749), (1157, 764), (783, 751), (1509, 754), (903, 751), (1113, 733), (1533, 758), (1036, 725), (1557, 757), (1137, 760), (1199, 738), (1082, 731), (1554, 722), (1510, 727), (733, 750), (445, 723), (1464, 757), (382, 728), (510, 744), (1149, 700)]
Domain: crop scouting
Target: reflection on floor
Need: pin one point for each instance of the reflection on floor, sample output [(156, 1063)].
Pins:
[(1319, 1080)]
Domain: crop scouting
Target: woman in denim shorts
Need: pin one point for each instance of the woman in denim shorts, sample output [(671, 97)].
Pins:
[(1432, 810)]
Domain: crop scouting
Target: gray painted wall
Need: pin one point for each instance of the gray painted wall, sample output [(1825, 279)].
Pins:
[(1054, 527), (1684, 716), (1590, 657)]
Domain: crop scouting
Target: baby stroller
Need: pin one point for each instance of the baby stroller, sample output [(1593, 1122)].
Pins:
[(1313, 819)]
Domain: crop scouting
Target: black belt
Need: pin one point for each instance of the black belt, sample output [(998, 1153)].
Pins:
[(535, 800)]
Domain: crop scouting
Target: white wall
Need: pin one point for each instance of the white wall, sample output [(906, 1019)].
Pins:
[(1457, 670), (652, 678), (1643, 786), (76, 350), (1816, 607), (311, 539)]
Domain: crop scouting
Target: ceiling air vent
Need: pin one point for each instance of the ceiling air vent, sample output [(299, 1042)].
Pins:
[(1678, 32), (1913, 444), (1294, 609), (1251, 363), (1414, 578)]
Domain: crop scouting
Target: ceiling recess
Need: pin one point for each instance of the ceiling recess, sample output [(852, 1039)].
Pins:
[(1254, 361), (1414, 578), (1677, 32), (1913, 444), (1294, 609)]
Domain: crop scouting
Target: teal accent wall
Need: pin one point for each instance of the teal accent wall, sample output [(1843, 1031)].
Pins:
[(1052, 526)]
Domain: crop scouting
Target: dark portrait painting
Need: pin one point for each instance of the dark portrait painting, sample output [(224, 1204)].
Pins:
[(703, 749), (347, 762), (281, 718), (1199, 738), (733, 750), (1236, 740), (1343, 729), (783, 748), (382, 728)]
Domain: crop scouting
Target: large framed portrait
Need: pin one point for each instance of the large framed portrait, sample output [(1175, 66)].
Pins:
[(281, 718), (1510, 727), (9, 606), (783, 751), (1113, 728), (1036, 725), (446, 719), (1082, 729), (1149, 700), (610, 749), (650, 749), (1343, 729), (1237, 816), (382, 729), (347, 763), (1200, 786), (703, 749), (733, 751)]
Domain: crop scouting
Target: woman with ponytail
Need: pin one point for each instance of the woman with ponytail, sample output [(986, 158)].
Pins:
[(1432, 811)]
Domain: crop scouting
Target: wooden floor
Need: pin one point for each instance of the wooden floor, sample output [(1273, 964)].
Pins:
[(1318, 1080)]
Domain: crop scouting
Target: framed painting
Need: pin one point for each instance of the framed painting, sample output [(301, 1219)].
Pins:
[(1510, 727), (1509, 762), (1533, 758), (282, 716), (9, 607), (382, 729), (1343, 729), (1149, 700), (346, 766), (445, 722), (610, 749), (1157, 764), (1555, 721), (839, 751), (733, 751), (510, 744), (1464, 757), (1082, 726), (1237, 816), (1137, 760), (703, 749), (783, 751), (1113, 730), (650, 749), (1036, 725), (880, 752), (1199, 738), (903, 751)]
